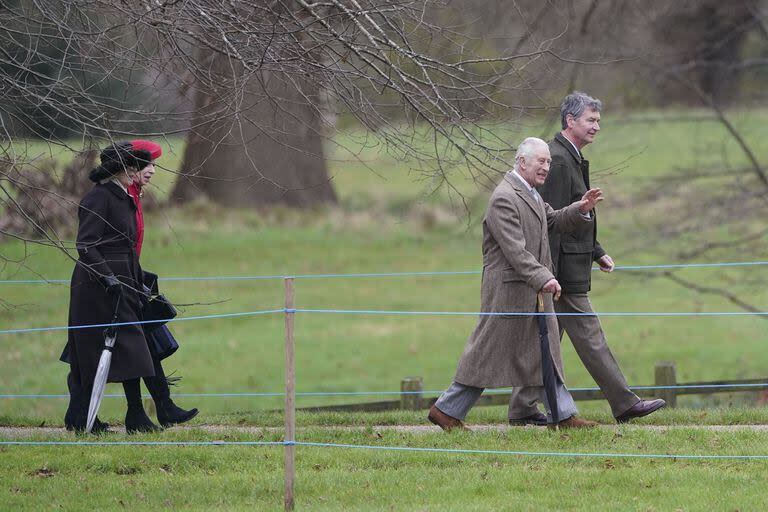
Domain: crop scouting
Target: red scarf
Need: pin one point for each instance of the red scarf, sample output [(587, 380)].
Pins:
[(135, 192)]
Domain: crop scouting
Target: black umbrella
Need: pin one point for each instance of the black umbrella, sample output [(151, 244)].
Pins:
[(547, 364)]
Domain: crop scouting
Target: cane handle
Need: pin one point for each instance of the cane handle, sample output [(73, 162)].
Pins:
[(540, 309)]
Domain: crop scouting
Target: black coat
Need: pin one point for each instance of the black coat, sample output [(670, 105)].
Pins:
[(573, 253), (105, 244)]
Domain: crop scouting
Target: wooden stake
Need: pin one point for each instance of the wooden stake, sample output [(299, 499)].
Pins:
[(413, 386), (666, 376), (290, 395)]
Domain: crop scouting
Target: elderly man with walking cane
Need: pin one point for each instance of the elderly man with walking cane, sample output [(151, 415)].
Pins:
[(572, 256), (504, 350)]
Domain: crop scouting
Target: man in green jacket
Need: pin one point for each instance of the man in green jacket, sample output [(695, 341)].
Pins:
[(572, 257)]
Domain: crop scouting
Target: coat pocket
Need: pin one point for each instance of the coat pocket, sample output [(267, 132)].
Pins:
[(575, 262), (509, 276), (514, 295), (570, 247)]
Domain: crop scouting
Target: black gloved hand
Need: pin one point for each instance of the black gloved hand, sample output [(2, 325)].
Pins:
[(150, 280), (113, 285)]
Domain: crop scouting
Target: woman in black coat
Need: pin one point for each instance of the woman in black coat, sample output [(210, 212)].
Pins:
[(108, 278)]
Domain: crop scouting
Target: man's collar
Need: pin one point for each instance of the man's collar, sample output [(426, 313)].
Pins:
[(519, 178), (570, 146)]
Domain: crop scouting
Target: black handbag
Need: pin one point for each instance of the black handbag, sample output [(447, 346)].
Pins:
[(158, 307), (163, 342)]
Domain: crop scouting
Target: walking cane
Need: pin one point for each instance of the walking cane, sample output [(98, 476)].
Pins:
[(547, 364)]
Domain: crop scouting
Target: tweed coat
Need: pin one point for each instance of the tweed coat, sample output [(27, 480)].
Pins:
[(106, 237), (504, 350), (572, 253)]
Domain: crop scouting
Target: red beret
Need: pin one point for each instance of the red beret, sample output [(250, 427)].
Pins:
[(150, 147)]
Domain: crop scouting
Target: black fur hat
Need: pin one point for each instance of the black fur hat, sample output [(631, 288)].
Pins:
[(116, 158)]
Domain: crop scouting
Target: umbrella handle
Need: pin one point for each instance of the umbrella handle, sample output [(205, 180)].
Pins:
[(540, 305), (110, 331)]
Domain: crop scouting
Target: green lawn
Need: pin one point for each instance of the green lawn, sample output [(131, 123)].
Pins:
[(395, 223), (242, 477)]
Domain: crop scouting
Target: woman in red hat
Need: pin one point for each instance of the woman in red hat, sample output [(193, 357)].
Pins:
[(168, 413)]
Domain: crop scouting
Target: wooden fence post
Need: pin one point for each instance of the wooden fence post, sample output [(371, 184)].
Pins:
[(666, 375), (290, 396), (412, 388)]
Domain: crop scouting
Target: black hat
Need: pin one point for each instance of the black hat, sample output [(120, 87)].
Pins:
[(117, 157)]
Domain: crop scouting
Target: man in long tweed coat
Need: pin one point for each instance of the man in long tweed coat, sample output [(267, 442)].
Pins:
[(572, 257), (504, 350)]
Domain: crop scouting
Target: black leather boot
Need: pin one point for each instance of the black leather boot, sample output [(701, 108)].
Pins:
[(74, 396), (74, 402), (76, 417), (136, 419), (168, 413)]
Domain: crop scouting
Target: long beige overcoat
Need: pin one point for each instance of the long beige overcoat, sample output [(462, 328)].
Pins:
[(504, 350)]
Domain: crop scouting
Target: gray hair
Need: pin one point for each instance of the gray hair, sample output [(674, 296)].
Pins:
[(575, 104), (527, 149)]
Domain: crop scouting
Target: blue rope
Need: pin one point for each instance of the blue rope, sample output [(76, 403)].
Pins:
[(518, 313), (387, 448), (322, 276), (395, 274), (202, 317), (399, 393), (143, 443), (536, 454), (386, 312), (35, 281)]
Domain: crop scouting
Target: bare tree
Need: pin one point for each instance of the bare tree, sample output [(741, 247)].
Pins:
[(269, 150), (254, 73), (691, 53), (254, 85)]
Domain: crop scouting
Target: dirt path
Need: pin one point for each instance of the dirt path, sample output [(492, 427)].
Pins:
[(11, 433)]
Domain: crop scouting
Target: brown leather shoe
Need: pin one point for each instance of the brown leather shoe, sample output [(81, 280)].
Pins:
[(574, 422), (444, 421), (640, 409)]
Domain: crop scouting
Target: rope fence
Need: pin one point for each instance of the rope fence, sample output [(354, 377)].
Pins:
[(398, 274), (394, 448), (390, 312), (499, 391)]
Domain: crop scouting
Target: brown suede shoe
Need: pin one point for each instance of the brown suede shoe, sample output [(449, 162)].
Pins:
[(574, 422), (444, 421)]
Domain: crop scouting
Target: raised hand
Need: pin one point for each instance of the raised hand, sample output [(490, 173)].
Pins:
[(590, 199)]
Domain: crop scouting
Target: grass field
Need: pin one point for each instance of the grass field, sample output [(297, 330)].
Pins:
[(250, 478), (392, 223)]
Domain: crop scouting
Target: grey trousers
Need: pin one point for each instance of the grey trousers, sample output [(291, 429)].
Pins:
[(458, 399), (588, 339)]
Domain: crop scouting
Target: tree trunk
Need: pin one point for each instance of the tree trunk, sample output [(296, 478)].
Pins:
[(255, 140), (705, 39)]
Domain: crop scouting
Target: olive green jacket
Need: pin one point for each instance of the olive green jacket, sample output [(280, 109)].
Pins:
[(573, 253)]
